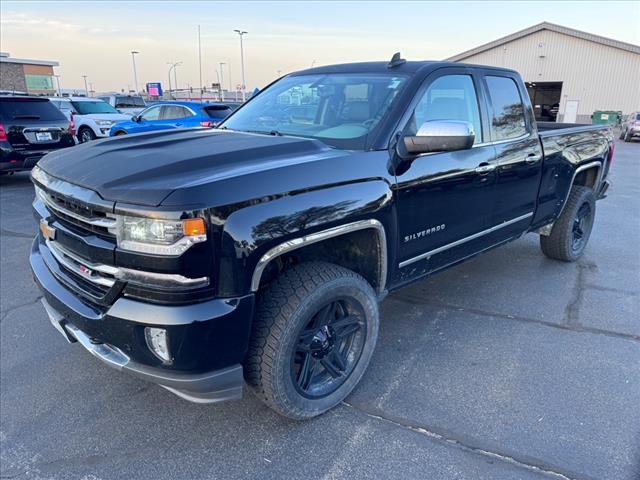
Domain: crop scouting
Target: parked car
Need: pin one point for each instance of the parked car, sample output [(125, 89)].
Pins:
[(30, 127), (257, 252), (631, 128), (127, 104), (92, 117), (171, 115)]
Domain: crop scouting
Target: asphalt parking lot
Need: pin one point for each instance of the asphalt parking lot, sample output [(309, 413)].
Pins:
[(511, 366)]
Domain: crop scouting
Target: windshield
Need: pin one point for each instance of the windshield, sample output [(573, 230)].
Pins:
[(130, 102), (85, 108), (339, 109)]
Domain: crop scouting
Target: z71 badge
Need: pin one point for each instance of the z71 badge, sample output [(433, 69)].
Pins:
[(424, 233)]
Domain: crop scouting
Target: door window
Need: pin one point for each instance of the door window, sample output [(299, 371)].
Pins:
[(450, 97), (174, 112), (152, 113), (508, 119)]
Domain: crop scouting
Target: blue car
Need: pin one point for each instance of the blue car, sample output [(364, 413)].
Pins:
[(170, 115)]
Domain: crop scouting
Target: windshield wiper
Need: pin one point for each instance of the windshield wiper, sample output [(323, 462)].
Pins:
[(273, 133), (34, 117)]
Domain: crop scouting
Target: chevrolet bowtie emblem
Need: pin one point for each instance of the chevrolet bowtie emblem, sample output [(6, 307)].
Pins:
[(48, 232)]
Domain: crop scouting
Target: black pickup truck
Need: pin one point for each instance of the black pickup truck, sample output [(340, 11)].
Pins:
[(257, 253)]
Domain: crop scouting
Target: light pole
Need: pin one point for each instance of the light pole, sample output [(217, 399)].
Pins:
[(221, 82), (135, 74), (86, 89), (175, 78), (58, 84), (242, 33), (200, 61)]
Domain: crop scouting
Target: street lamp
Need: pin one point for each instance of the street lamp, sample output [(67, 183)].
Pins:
[(175, 78), (86, 89), (58, 84), (242, 33), (221, 82), (135, 74)]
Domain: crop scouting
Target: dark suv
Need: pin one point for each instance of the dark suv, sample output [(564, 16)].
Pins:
[(30, 127)]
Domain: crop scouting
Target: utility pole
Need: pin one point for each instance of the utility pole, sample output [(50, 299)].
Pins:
[(200, 60), (86, 89), (135, 74), (244, 86)]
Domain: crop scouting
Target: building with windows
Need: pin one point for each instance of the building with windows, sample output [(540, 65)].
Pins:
[(569, 74), (28, 76)]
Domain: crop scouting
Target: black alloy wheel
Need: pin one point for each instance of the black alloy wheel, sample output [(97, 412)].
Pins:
[(328, 348), (572, 229), (313, 335), (581, 224)]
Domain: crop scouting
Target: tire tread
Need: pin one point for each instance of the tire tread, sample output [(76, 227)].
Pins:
[(276, 305)]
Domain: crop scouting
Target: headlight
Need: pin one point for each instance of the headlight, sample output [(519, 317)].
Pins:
[(105, 123), (159, 236)]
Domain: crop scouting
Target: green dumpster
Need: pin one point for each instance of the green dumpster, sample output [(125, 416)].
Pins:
[(606, 117)]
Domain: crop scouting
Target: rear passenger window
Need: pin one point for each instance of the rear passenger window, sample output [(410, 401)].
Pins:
[(450, 97), (173, 112), (508, 111)]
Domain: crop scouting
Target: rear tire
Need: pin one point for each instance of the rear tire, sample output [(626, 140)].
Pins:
[(571, 231), (315, 331)]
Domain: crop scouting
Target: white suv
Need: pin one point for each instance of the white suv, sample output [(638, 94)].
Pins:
[(92, 118), (129, 104)]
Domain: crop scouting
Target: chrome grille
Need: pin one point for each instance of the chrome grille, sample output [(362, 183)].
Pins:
[(77, 213), (103, 275)]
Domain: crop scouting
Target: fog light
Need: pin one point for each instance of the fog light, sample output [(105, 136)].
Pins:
[(157, 342)]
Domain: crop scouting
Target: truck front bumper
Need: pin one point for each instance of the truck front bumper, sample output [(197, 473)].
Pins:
[(209, 338)]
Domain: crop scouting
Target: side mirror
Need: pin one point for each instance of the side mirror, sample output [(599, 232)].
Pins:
[(136, 118), (440, 136)]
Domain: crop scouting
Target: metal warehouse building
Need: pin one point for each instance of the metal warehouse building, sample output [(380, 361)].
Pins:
[(569, 73)]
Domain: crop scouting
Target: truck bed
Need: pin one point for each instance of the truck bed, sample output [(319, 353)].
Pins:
[(548, 129)]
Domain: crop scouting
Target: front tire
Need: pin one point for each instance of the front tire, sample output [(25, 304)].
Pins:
[(314, 334), (572, 229), (86, 135)]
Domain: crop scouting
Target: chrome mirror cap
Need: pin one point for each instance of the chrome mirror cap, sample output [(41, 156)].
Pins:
[(440, 136)]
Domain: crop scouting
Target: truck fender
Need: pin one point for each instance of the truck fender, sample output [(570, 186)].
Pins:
[(255, 235)]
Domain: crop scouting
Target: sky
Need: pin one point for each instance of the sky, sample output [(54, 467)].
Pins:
[(96, 38)]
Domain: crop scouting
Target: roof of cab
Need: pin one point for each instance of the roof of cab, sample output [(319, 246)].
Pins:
[(408, 67)]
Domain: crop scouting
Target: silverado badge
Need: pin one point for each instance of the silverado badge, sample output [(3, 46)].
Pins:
[(424, 233)]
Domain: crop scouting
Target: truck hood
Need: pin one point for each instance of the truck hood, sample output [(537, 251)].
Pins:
[(144, 169)]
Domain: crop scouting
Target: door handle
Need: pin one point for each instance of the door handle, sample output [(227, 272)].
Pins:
[(532, 158), (485, 168)]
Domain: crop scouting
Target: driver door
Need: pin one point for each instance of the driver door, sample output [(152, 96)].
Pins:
[(147, 120), (446, 199)]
